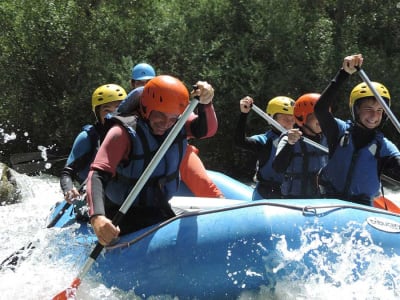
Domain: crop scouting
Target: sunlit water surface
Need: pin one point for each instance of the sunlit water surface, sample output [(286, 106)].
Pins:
[(38, 277)]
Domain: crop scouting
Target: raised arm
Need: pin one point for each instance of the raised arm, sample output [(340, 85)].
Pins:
[(205, 124), (240, 138), (323, 107)]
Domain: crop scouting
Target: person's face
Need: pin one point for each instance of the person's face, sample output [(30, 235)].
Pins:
[(138, 83), (160, 122), (313, 124), (370, 113), (287, 121), (107, 108)]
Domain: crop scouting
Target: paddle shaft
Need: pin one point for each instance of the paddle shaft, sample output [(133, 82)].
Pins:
[(378, 97), (64, 208), (142, 181), (389, 113), (34, 166), (278, 126), (27, 157)]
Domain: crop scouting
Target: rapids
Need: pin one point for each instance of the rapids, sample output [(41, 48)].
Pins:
[(38, 277)]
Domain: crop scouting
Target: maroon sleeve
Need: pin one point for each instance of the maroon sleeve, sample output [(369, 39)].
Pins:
[(212, 121), (114, 149)]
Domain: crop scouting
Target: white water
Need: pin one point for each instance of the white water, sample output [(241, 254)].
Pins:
[(40, 278)]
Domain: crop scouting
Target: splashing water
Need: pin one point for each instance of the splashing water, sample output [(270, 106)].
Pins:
[(342, 266), (6, 137), (39, 277)]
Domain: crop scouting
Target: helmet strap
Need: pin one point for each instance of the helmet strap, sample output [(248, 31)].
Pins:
[(96, 114)]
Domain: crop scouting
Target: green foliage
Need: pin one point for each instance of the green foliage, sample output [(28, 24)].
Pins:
[(55, 53)]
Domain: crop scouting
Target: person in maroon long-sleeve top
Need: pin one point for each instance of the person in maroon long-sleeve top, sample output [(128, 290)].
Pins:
[(192, 170), (127, 149)]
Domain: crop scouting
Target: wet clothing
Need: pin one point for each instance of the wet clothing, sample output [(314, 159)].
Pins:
[(121, 156), (193, 172), (299, 164), (357, 155), (264, 147), (81, 156), (78, 163), (164, 181), (132, 101)]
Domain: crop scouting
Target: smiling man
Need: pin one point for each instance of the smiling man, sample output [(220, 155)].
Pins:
[(358, 150), (129, 146)]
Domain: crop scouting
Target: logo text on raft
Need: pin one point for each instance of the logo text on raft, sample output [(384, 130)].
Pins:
[(384, 224)]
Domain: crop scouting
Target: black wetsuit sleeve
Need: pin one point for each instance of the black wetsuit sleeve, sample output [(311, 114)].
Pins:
[(98, 183), (240, 139), (69, 173), (390, 166), (199, 126), (283, 155), (322, 109)]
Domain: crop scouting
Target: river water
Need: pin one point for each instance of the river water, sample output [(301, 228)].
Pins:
[(38, 277)]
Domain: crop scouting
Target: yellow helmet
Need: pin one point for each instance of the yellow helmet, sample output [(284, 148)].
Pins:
[(362, 90), (280, 105), (107, 93)]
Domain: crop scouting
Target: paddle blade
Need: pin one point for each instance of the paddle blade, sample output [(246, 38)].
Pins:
[(70, 292), (386, 204)]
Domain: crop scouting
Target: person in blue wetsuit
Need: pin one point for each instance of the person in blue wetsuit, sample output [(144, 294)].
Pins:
[(264, 145), (105, 100), (141, 74), (358, 150), (297, 160)]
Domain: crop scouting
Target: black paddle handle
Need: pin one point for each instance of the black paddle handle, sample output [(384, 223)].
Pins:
[(96, 251)]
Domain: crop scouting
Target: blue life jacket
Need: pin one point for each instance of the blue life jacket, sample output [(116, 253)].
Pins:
[(353, 175), (265, 171), (300, 178), (84, 157), (269, 181), (164, 181)]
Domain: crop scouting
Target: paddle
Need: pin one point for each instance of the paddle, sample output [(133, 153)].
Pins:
[(34, 156), (386, 204), (393, 184), (278, 126), (64, 295), (33, 162), (378, 97), (380, 202), (23, 252)]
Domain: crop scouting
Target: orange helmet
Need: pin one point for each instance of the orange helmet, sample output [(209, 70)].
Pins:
[(164, 93), (304, 106)]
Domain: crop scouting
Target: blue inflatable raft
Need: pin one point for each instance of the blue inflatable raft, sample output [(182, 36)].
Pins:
[(222, 248)]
